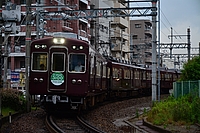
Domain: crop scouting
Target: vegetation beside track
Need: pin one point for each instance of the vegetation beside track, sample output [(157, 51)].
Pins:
[(12, 101), (182, 111)]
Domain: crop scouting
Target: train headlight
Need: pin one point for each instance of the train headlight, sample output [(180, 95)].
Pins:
[(81, 47), (73, 81), (44, 46), (59, 40), (35, 79), (37, 46), (73, 47), (79, 81), (62, 40), (55, 40), (41, 80)]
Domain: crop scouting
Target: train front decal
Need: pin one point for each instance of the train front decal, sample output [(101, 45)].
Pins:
[(57, 78)]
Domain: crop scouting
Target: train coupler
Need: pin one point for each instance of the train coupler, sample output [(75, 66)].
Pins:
[(74, 106)]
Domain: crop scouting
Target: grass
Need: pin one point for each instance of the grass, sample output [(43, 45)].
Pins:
[(6, 111)]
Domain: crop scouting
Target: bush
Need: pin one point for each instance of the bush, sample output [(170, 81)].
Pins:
[(13, 99), (184, 109)]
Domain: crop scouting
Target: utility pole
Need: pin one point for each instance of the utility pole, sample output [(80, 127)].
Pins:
[(37, 22), (171, 43), (27, 58), (188, 38), (159, 62), (121, 45), (199, 48), (5, 83), (154, 53), (93, 23), (110, 42), (1, 41)]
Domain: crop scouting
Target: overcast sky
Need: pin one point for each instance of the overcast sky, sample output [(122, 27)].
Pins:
[(180, 15)]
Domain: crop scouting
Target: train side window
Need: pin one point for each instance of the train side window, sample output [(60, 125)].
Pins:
[(39, 61), (104, 71), (98, 68), (120, 74), (77, 63), (126, 74), (132, 74), (144, 75), (108, 72)]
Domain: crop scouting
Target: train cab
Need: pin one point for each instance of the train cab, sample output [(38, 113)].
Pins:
[(58, 69)]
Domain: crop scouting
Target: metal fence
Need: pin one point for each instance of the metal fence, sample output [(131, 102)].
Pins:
[(181, 88)]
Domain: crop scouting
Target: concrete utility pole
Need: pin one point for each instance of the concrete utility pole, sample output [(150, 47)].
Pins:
[(199, 48), (1, 41), (154, 53), (189, 45), (159, 59), (5, 83), (27, 59), (171, 43), (121, 45)]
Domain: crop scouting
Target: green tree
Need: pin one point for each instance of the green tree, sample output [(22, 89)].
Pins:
[(191, 70)]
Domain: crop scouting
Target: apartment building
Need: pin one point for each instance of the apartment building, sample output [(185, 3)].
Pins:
[(119, 32), (141, 36), (109, 35), (79, 28), (100, 29)]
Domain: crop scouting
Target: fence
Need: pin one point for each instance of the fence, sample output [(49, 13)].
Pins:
[(181, 88)]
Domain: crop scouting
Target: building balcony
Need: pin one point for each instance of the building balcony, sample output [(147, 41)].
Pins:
[(120, 47), (17, 51), (67, 29), (121, 22), (83, 35), (148, 60), (118, 33), (148, 51), (119, 5), (84, 1), (125, 35), (82, 19)]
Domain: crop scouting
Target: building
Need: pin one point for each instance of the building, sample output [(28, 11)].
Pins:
[(120, 32), (141, 36), (109, 35), (100, 29), (112, 34), (79, 28)]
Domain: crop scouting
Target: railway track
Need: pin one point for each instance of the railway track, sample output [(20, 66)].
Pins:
[(69, 125)]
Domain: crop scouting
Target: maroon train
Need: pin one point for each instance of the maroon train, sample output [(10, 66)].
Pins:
[(54, 74)]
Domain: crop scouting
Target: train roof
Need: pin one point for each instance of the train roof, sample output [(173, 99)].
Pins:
[(51, 37), (126, 65)]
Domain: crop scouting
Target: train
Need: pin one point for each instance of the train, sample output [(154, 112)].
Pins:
[(72, 74)]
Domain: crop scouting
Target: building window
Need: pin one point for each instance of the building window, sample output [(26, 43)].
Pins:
[(23, 1), (135, 36), (22, 64), (137, 25)]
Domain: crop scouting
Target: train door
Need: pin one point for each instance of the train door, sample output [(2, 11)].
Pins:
[(57, 69)]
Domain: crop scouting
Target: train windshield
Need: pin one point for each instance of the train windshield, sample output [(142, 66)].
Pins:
[(39, 62), (77, 63), (58, 58)]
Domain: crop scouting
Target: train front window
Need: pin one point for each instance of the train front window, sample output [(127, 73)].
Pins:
[(39, 62), (58, 62), (77, 63)]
